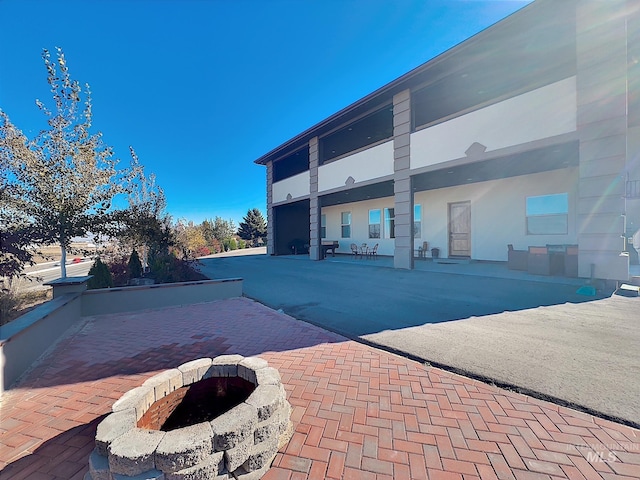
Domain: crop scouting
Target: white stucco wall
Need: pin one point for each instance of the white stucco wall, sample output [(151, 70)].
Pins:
[(633, 153), (498, 215), (633, 169), (374, 162), (545, 112), (359, 225), (297, 186)]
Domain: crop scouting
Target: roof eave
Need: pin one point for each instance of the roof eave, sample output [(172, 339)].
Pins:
[(391, 88)]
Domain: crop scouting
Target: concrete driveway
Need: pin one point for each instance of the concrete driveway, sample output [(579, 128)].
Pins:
[(536, 336)]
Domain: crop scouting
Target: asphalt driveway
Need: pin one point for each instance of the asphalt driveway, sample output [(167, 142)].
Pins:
[(539, 337)]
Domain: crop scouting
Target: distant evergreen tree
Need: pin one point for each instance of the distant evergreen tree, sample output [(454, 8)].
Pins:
[(135, 265), (101, 275), (252, 226)]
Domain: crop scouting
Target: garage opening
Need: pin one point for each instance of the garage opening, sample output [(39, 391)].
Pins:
[(291, 230)]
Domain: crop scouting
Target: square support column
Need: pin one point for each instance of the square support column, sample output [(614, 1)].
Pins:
[(315, 252), (601, 45), (403, 196), (270, 219), (62, 286)]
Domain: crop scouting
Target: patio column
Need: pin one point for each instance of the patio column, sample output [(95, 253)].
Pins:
[(403, 251), (270, 219), (602, 127), (315, 252)]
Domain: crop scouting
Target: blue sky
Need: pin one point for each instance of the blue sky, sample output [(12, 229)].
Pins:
[(202, 88)]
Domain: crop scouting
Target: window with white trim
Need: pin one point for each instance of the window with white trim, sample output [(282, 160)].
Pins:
[(346, 224), (417, 221), (389, 223), (548, 214), (374, 223)]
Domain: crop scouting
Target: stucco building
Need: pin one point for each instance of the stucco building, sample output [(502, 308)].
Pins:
[(526, 134)]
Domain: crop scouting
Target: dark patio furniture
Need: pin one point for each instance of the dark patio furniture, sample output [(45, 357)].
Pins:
[(539, 261), (298, 246), (354, 250), (571, 261), (327, 245), (423, 251), (557, 254), (517, 259), (373, 252)]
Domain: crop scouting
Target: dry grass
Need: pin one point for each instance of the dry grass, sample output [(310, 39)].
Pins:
[(51, 253), (14, 303)]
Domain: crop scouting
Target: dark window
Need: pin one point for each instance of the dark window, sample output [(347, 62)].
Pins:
[(518, 56), (323, 226), (291, 165), (371, 129)]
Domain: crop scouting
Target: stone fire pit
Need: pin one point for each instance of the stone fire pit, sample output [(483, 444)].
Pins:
[(222, 418)]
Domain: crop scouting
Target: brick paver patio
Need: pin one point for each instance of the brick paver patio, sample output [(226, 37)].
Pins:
[(359, 413)]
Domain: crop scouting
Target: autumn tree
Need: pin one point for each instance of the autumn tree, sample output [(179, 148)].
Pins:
[(65, 178), (219, 230), (252, 227), (191, 239), (144, 224), (213, 244), (18, 233)]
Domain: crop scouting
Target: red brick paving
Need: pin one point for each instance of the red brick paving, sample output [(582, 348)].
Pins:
[(359, 413)]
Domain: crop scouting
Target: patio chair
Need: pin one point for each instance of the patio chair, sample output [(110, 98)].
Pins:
[(354, 250), (423, 251), (373, 252)]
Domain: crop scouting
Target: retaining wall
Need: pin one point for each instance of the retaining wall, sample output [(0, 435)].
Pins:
[(26, 338), (130, 299)]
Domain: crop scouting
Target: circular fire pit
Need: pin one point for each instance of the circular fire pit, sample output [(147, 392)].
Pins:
[(221, 418)]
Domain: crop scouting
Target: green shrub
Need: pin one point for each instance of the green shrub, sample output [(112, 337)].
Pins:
[(168, 269), (101, 276), (135, 265), (242, 244), (233, 245)]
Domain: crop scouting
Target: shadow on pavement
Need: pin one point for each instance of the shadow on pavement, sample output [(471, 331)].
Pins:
[(357, 300)]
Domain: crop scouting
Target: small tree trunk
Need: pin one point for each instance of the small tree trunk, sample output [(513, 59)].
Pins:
[(63, 262)]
